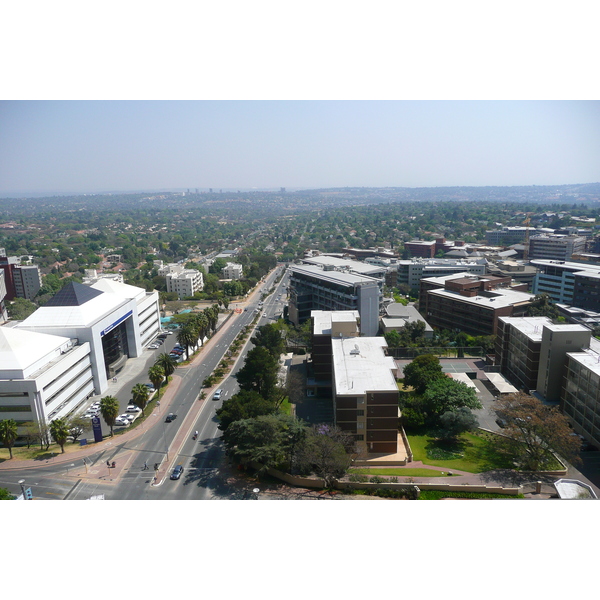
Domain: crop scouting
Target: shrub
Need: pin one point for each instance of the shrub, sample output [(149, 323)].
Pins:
[(377, 479), (358, 478)]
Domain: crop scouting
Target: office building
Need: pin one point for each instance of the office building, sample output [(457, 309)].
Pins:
[(363, 380), (116, 320), (42, 377), (313, 288), (555, 247), (470, 303), (21, 281)]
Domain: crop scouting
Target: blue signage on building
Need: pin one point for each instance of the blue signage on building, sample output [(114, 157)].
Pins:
[(97, 429), (117, 322)]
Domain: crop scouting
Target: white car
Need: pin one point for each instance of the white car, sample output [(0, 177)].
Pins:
[(132, 408), (95, 405), (153, 346), (89, 415), (120, 421), (127, 417)]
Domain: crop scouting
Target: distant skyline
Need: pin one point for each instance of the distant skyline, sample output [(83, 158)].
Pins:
[(64, 147)]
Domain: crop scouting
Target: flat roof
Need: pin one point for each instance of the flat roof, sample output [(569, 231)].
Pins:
[(532, 327), (333, 276), (344, 263), (503, 297), (590, 357), (322, 319), (360, 366)]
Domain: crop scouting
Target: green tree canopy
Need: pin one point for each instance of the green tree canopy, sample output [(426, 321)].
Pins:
[(8, 434), (59, 430), (533, 431), (167, 364), (422, 371), (446, 394), (109, 409), (140, 394), (156, 376), (259, 372), (269, 337), (246, 404)]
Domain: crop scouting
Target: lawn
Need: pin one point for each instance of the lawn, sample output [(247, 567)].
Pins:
[(400, 472), (474, 454)]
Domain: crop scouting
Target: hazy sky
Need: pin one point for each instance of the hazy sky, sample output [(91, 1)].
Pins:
[(94, 146)]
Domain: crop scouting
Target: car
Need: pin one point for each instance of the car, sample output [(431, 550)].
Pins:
[(177, 471), (95, 404), (153, 346), (119, 421), (150, 387), (89, 415), (162, 336), (178, 347), (217, 395), (127, 417), (169, 333), (170, 417), (160, 342), (133, 408)]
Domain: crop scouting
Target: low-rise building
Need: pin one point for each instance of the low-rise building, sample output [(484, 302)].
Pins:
[(471, 303), (183, 282), (232, 271)]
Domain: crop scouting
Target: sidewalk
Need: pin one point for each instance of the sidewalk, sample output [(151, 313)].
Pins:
[(122, 458)]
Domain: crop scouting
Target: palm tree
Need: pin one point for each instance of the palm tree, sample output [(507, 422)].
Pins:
[(8, 433), (109, 409), (156, 375), (187, 336), (140, 395), (59, 430), (167, 364), (201, 323)]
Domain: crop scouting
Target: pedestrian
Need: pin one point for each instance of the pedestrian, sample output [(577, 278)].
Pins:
[(145, 465), (108, 463)]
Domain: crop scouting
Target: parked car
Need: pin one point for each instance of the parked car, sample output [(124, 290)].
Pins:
[(153, 346), (217, 395), (122, 422), (133, 408), (177, 471), (170, 417), (150, 387), (127, 417)]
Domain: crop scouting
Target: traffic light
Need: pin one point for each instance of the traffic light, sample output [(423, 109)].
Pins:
[(28, 494)]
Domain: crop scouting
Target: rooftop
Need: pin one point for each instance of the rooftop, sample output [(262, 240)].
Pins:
[(333, 276), (360, 366)]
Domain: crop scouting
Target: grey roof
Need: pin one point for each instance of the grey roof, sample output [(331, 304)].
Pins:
[(73, 294)]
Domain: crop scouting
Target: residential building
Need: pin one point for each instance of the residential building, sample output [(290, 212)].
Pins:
[(555, 247), (313, 288), (471, 303), (21, 281), (232, 271), (184, 282)]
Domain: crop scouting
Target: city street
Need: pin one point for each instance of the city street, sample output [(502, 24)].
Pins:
[(205, 471)]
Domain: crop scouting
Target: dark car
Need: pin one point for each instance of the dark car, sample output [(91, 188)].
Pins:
[(177, 471), (170, 417)]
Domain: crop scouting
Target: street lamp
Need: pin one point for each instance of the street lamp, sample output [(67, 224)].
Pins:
[(256, 490), (21, 482)]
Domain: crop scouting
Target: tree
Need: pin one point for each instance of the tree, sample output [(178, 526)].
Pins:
[(542, 306), (140, 394), (259, 372), (109, 409), (246, 404), (156, 376), (446, 394), (8, 434), (422, 371), (76, 426), (167, 364), (534, 431), (269, 337), (6, 495), (456, 422), (20, 308), (59, 430), (265, 440), (187, 336), (326, 451)]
